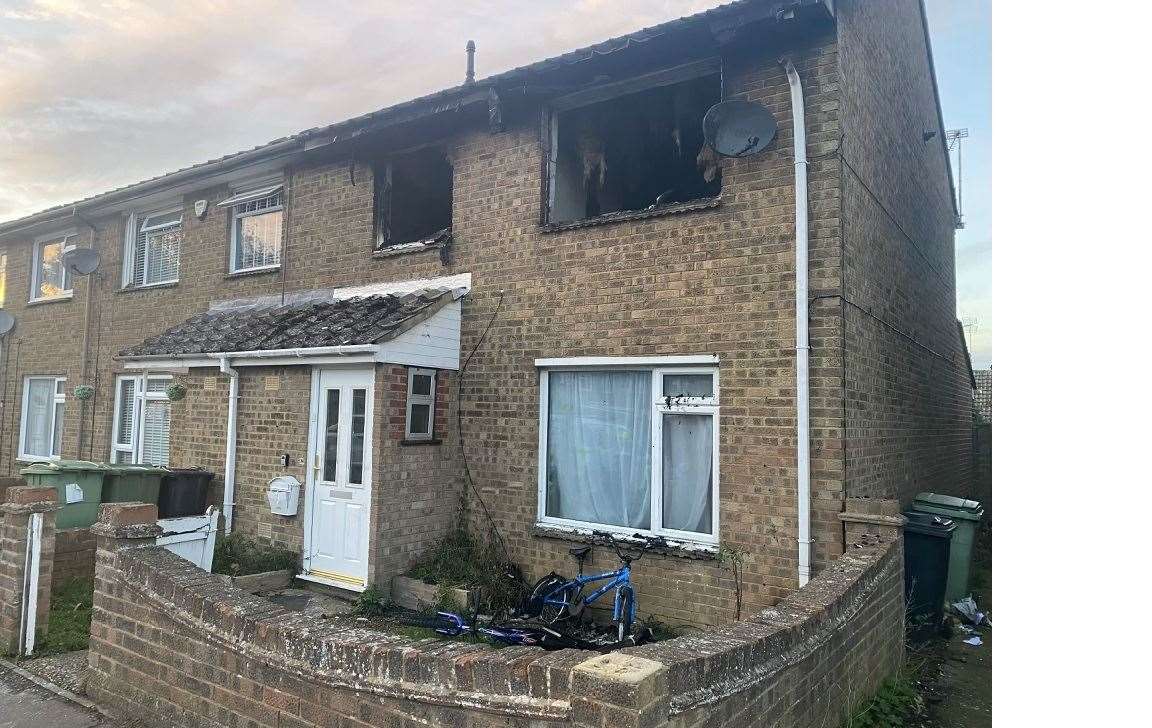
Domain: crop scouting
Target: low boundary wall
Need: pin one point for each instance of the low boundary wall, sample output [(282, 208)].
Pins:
[(175, 646)]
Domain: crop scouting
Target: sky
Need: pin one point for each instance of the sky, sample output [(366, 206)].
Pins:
[(96, 94)]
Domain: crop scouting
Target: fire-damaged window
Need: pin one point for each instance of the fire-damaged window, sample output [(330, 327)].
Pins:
[(413, 200), (637, 150)]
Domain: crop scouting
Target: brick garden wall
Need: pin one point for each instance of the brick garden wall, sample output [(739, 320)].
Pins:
[(908, 403), (173, 646), (75, 556)]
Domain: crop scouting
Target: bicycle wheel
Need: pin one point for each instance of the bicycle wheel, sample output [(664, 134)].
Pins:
[(549, 586), (624, 623)]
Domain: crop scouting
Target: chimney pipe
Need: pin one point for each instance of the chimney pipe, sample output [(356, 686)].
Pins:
[(471, 75)]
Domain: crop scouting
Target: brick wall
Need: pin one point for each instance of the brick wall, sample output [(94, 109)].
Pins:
[(908, 396), (75, 556), (173, 646)]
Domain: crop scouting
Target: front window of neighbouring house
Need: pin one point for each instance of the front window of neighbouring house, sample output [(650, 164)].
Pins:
[(50, 277), (42, 418), (154, 247), (142, 420), (630, 448), (257, 228)]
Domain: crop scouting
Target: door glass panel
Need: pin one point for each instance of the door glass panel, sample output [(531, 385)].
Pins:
[(331, 434), (420, 419), (687, 471), (356, 460)]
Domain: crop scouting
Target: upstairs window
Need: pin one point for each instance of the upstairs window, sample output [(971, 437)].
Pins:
[(154, 242), (633, 146), (50, 277), (413, 199), (42, 418), (257, 228)]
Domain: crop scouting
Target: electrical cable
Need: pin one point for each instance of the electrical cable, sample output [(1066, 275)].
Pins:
[(460, 429)]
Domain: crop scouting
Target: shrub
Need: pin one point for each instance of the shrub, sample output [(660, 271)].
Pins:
[(238, 555)]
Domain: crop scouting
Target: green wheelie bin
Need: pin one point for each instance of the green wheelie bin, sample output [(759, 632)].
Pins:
[(79, 487), (126, 483), (966, 514)]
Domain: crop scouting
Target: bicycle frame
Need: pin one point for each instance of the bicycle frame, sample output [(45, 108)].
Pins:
[(619, 580)]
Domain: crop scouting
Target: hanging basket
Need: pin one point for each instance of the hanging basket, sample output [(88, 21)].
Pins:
[(84, 392), (176, 392)]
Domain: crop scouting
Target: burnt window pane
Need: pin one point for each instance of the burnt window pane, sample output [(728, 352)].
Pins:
[(635, 152), (413, 198)]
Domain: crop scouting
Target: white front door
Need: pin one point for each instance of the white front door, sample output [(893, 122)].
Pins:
[(340, 478)]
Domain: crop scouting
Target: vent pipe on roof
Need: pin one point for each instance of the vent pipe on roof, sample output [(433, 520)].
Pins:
[(470, 76)]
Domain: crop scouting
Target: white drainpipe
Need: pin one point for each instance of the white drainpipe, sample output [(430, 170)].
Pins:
[(803, 458), (230, 446)]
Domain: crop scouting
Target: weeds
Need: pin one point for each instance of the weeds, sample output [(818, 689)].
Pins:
[(893, 704), (459, 560), (69, 620), (238, 555)]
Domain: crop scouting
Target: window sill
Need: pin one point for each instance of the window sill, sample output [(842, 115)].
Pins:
[(681, 549), (148, 287), (253, 271), (51, 299), (435, 242), (35, 460), (678, 208), (410, 443)]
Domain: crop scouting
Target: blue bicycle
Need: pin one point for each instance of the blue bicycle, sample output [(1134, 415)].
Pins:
[(555, 599)]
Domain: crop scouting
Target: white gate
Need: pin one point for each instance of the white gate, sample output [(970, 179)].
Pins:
[(191, 537)]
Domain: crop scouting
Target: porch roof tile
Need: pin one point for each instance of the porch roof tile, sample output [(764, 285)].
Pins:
[(301, 324)]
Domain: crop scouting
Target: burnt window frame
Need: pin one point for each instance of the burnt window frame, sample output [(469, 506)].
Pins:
[(382, 195), (550, 128)]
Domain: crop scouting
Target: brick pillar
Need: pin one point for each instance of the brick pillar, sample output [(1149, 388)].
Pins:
[(620, 691), (868, 518), (20, 503)]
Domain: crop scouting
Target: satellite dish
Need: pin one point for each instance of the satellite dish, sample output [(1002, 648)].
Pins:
[(7, 321), (82, 260), (739, 128)]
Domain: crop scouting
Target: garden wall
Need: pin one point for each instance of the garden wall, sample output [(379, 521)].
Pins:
[(75, 556), (174, 646)]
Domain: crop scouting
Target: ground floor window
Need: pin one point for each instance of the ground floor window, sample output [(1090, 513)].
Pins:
[(141, 428), (630, 448), (42, 418), (421, 405)]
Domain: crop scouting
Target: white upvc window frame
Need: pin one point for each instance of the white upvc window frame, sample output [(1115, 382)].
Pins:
[(237, 203), (68, 238), (659, 367), (140, 396), (137, 224), (413, 399), (58, 397)]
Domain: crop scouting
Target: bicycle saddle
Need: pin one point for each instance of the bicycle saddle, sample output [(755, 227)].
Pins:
[(580, 552)]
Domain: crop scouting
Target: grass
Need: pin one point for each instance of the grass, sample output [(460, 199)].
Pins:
[(69, 620), (892, 705), (238, 555)]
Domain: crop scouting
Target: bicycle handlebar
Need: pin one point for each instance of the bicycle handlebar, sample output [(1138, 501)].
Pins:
[(649, 542)]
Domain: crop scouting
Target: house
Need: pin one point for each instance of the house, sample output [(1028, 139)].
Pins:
[(540, 294)]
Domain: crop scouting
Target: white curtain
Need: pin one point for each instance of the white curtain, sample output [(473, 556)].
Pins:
[(38, 427), (687, 472), (599, 447)]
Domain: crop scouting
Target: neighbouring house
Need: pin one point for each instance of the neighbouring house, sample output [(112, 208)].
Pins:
[(984, 393), (540, 294)]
